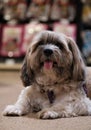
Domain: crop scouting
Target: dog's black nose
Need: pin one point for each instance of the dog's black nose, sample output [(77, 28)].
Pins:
[(48, 52)]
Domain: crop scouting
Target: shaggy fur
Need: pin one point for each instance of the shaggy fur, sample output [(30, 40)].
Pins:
[(53, 73)]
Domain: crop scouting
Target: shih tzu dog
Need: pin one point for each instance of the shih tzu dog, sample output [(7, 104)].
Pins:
[(53, 74)]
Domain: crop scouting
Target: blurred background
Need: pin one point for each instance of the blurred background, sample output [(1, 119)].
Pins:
[(20, 20)]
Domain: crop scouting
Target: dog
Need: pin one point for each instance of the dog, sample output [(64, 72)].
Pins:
[(54, 76)]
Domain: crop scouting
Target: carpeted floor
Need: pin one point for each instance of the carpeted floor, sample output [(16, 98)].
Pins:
[(10, 87)]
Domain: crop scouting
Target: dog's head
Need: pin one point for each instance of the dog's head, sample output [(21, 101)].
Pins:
[(52, 57)]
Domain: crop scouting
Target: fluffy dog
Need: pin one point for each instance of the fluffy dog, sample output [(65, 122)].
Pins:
[(53, 73)]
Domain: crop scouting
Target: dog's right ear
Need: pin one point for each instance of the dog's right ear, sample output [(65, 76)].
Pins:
[(78, 66), (27, 75)]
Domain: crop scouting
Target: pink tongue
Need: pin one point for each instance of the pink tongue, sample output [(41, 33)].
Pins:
[(48, 64)]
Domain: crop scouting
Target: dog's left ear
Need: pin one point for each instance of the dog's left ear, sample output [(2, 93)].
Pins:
[(26, 73), (78, 66)]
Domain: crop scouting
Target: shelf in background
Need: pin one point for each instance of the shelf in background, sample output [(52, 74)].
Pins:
[(15, 66)]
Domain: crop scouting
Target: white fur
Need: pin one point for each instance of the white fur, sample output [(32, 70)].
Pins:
[(61, 108)]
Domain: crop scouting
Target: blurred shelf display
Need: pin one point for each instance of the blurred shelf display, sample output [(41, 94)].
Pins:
[(68, 29), (10, 64), (14, 66), (86, 30), (20, 20)]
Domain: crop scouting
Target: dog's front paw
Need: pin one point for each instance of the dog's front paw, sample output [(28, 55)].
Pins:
[(12, 110), (47, 114)]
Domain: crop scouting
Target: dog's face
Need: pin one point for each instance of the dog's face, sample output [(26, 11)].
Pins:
[(52, 58)]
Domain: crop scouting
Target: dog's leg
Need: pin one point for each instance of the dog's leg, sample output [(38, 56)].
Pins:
[(87, 103), (48, 114), (82, 107), (22, 106), (58, 111), (79, 108), (53, 114)]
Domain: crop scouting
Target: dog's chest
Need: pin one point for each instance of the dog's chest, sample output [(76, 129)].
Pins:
[(47, 78), (48, 98)]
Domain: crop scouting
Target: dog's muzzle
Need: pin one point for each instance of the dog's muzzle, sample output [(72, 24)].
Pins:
[(48, 63)]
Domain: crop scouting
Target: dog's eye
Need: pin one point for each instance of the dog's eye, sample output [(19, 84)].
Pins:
[(61, 47), (40, 43), (36, 46)]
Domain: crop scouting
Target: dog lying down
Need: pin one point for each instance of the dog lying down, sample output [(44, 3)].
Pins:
[(53, 74)]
